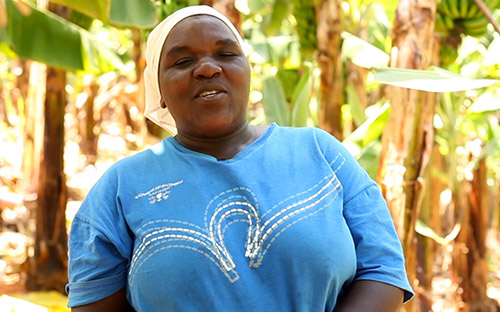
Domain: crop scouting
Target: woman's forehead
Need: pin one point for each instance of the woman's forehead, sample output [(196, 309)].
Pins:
[(199, 21)]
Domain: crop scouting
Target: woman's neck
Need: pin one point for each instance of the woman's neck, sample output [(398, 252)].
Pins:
[(223, 147)]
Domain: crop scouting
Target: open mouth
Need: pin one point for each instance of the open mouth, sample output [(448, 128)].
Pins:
[(209, 94)]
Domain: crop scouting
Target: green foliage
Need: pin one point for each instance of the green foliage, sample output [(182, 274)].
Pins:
[(364, 142), (372, 128), (425, 230), (80, 19), (301, 99), (304, 14), (275, 105), (48, 38), (285, 81), (119, 13), (463, 16), (368, 20), (272, 22), (362, 53), (447, 55), (433, 80), (166, 7)]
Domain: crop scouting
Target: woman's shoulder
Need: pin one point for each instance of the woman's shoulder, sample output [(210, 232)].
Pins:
[(148, 154), (292, 130), (311, 134)]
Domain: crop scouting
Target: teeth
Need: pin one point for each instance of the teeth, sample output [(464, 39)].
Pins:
[(209, 93)]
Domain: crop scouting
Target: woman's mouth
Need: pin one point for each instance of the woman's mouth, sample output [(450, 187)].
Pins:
[(209, 94)]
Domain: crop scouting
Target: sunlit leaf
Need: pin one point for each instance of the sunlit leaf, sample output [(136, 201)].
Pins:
[(369, 158), (32, 36), (97, 59), (355, 106), (272, 22), (363, 53), (274, 101), (433, 80), (48, 38), (492, 148), (36, 301), (390, 6), (11, 304), (132, 13), (249, 6), (301, 98), (485, 103), (492, 57), (371, 128), (425, 230), (124, 13)]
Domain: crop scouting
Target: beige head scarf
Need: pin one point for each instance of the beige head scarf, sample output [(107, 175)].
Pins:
[(156, 39)]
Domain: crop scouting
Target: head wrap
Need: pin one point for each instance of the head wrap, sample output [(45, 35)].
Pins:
[(153, 111)]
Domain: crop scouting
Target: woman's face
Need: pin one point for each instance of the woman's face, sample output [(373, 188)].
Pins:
[(204, 77)]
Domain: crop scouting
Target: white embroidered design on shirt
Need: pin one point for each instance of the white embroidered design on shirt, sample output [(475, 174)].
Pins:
[(159, 193), (235, 205)]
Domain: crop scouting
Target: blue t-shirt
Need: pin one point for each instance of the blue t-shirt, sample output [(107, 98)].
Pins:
[(285, 225)]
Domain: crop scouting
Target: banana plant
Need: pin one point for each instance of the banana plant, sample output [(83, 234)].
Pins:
[(118, 13), (364, 143), (286, 83), (39, 35), (295, 113)]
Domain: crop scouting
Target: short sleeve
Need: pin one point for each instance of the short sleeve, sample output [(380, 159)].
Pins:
[(100, 245), (378, 248)]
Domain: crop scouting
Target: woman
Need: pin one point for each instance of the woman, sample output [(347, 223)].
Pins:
[(226, 216)]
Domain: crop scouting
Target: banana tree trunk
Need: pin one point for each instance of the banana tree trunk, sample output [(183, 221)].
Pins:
[(470, 263), (407, 138), (134, 102), (426, 249), (331, 92), (88, 123), (22, 83), (48, 267), (33, 127)]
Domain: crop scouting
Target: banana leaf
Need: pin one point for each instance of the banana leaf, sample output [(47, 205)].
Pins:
[(363, 53), (119, 13), (356, 109), (434, 79), (301, 98), (274, 101), (486, 103), (271, 23), (45, 37), (390, 7), (425, 230), (369, 158), (372, 128), (248, 7)]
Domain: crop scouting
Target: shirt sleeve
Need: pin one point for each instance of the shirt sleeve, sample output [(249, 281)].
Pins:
[(100, 245), (378, 248)]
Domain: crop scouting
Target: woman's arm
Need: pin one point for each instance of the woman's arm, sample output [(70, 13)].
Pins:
[(117, 302), (370, 296)]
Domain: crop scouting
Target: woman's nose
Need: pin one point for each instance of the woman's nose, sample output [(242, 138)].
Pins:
[(207, 68)]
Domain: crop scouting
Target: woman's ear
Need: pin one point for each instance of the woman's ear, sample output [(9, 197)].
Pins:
[(162, 104)]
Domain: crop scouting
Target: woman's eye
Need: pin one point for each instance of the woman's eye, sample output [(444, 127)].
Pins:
[(183, 61), (227, 54)]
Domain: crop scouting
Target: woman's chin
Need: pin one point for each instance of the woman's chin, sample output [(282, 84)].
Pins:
[(213, 128)]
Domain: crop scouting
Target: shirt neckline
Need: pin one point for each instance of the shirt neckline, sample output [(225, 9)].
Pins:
[(240, 155)]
